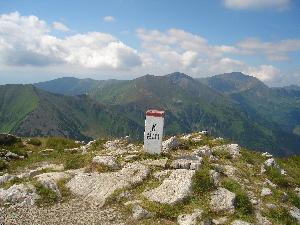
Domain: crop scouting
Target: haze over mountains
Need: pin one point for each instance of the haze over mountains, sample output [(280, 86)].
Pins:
[(234, 105)]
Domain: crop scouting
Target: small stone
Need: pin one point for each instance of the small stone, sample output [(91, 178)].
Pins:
[(262, 169), (139, 213), (268, 182), (283, 172), (284, 197), (271, 206), (46, 151), (11, 155), (215, 177), (220, 221), (297, 190), (295, 212), (240, 222), (266, 192), (5, 178), (271, 163), (73, 150), (222, 200), (190, 219), (109, 161), (267, 155)]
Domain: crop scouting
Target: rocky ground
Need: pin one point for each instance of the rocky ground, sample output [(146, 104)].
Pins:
[(196, 180)]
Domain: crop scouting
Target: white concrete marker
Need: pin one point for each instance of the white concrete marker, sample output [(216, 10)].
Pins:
[(154, 126)]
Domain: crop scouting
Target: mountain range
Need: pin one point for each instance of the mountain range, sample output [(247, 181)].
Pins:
[(233, 105)]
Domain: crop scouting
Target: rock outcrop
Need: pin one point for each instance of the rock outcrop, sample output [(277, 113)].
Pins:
[(97, 187), (174, 189)]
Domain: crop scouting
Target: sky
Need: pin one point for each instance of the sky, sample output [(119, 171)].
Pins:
[(125, 39)]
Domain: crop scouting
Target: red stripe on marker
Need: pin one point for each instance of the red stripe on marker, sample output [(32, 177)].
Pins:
[(155, 113)]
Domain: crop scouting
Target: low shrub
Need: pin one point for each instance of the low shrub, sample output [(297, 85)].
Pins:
[(47, 196), (282, 216), (3, 165), (202, 181), (74, 161), (34, 141)]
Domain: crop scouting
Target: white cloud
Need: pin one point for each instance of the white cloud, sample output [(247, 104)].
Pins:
[(109, 18), (26, 40), (257, 4), (60, 26), (176, 49), (274, 51), (263, 72)]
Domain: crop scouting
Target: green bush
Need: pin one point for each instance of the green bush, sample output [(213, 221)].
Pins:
[(202, 181), (294, 199), (34, 141), (3, 165), (74, 161), (243, 205), (282, 216), (60, 143), (47, 196), (231, 185)]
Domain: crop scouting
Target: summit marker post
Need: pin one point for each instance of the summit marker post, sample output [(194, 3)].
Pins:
[(154, 126)]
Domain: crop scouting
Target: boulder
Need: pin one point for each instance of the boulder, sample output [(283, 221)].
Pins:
[(232, 149), (96, 188), (21, 194), (108, 161), (266, 192), (174, 189), (49, 180), (190, 219), (222, 200), (203, 151), (7, 139), (170, 144), (138, 212)]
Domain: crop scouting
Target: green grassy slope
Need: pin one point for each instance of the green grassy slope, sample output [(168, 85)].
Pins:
[(16, 101)]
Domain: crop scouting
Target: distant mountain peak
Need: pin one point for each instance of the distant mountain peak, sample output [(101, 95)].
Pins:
[(178, 76)]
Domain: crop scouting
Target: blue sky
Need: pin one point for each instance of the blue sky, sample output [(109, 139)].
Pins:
[(41, 40)]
